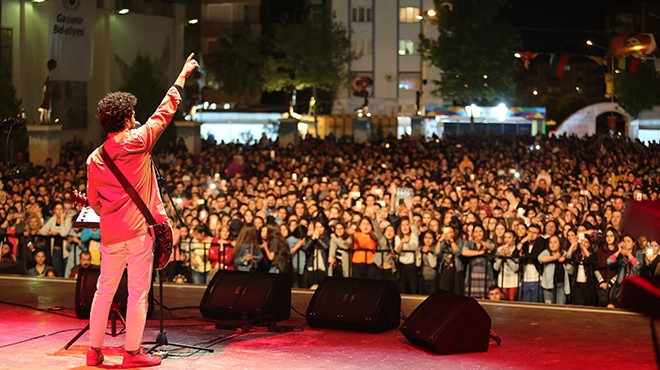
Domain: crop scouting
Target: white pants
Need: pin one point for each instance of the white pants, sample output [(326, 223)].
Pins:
[(137, 254)]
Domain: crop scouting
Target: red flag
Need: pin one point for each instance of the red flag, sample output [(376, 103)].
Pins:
[(526, 57), (631, 64)]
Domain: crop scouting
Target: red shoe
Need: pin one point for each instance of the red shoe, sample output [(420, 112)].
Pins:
[(94, 357), (141, 359)]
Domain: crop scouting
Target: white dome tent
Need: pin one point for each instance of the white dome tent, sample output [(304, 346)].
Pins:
[(583, 122)]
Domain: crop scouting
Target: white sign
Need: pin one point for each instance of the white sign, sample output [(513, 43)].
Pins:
[(71, 36)]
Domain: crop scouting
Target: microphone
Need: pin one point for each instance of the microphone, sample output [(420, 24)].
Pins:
[(137, 124)]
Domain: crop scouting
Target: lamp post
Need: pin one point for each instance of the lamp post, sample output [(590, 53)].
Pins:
[(610, 58), (609, 80), (423, 18)]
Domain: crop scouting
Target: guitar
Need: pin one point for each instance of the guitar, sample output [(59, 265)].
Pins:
[(161, 232)]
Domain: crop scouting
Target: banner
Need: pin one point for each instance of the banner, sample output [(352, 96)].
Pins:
[(71, 36)]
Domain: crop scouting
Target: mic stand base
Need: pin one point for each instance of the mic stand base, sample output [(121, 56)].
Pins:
[(161, 339)]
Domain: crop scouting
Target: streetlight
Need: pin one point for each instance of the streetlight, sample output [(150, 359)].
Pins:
[(609, 82), (609, 78), (429, 14)]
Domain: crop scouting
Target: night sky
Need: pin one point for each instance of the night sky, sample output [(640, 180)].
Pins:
[(561, 25)]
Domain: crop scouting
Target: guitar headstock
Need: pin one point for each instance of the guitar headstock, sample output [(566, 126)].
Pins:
[(79, 199)]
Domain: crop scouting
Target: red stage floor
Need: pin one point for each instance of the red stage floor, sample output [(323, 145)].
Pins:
[(533, 337)]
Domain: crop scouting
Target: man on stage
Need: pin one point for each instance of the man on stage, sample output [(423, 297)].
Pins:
[(125, 240)]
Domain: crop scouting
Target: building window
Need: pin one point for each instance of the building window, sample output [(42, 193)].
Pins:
[(409, 81), (408, 14), (362, 46), (6, 54), (361, 14), (406, 47)]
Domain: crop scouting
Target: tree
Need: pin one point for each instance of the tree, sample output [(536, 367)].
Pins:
[(237, 65), (637, 91), (314, 53), (566, 106), (13, 135), (474, 51), (144, 81)]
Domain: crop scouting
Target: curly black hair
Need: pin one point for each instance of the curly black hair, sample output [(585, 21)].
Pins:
[(113, 110)]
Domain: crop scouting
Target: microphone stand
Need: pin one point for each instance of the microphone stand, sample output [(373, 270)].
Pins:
[(161, 339)]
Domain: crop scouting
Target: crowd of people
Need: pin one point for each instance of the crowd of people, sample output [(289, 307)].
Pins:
[(517, 218)]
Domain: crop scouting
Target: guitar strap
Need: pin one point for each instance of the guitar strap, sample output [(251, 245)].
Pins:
[(128, 187)]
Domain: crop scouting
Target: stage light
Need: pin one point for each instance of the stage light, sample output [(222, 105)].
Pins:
[(123, 11), (193, 21), (226, 106), (517, 55), (501, 111), (535, 92)]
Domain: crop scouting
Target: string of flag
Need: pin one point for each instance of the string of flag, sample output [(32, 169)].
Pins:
[(558, 62)]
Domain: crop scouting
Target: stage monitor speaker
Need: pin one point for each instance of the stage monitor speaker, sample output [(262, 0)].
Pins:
[(254, 296), (86, 287), (355, 304), (448, 323)]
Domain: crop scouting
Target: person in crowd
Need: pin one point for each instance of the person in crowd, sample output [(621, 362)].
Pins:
[(479, 274), (507, 267), (625, 262), (316, 249), (528, 250), (74, 247), (40, 268), (11, 229), (338, 256), (296, 240), (247, 253), (429, 267), (606, 272), (554, 278), (582, 259), (451, 275), (7, 255), (649, 259), (31, 242), (90, 241), (364, 246), (276, 249), (495, 293), (406, 244), (85, 262), (221, 251), (200, 263), (386, 256), (57, 228)]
